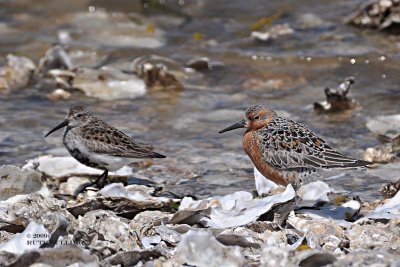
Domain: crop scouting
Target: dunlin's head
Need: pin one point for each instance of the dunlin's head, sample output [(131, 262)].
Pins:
[(77, 116), (257, 117)]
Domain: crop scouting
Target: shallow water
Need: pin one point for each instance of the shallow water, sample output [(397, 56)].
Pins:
[(184, 125)]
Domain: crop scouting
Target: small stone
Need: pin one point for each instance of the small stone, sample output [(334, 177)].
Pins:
[(390, 190), (337, 99), (58, 95), (17, 73)]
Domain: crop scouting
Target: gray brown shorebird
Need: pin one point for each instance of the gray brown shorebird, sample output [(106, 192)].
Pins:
[(96, 144), (286, 151)]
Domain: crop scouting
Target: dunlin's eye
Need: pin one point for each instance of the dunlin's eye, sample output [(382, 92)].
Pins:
[(79, 115), (256, 117)]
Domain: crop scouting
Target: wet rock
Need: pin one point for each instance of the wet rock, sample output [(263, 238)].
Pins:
[(155, 73), (377, 235), (273, 33), (5, 236), (37, 207), (126, 202), (386, 127), (376, 257), (55, 58), (61, 78), (262, 226), (109, 227), (87, 59), (59, 232), (200, 248), (203, 64), (145, 223), (58, 95), (380, 154), (319, 232), (115, 29), (131, 258), (337, 99), (242, 237), (376, 14), (313, 258), (172, 233), (390, 189), (247, 238), (17, 73), (276, 256), (62, 256), (108, 83), (6, 258), (15, 181)]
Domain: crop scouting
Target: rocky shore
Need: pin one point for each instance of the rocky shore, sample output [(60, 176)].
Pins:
[(41, 223)]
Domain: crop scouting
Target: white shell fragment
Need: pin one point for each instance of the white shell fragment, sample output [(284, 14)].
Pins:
[(58, 95), (340, 215), (112, 228), (240, 208), (27, 240), (376, 14), (15, 181), (263, 185), (66, 166), (71, 186), (318, 232), (313, 193), (55, 58), (132, 192), (390, 210), (116, 29), (200, 248), (108, 83), (17, 73)]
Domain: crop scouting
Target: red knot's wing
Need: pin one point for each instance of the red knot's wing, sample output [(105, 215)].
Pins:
[(287, 144), (107, 140)]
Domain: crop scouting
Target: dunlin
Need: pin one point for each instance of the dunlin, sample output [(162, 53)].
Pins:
[(96, 144), (286, 151)]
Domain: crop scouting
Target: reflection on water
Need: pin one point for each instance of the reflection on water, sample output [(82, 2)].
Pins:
[(288, 74)]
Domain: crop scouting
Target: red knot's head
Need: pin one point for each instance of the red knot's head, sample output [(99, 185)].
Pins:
[(257, 117)]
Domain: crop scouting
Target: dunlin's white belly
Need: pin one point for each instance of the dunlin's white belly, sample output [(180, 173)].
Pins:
[(111, 163), (81, 152)]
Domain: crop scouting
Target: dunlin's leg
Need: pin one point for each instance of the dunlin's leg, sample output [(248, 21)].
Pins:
[(99, 182)]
